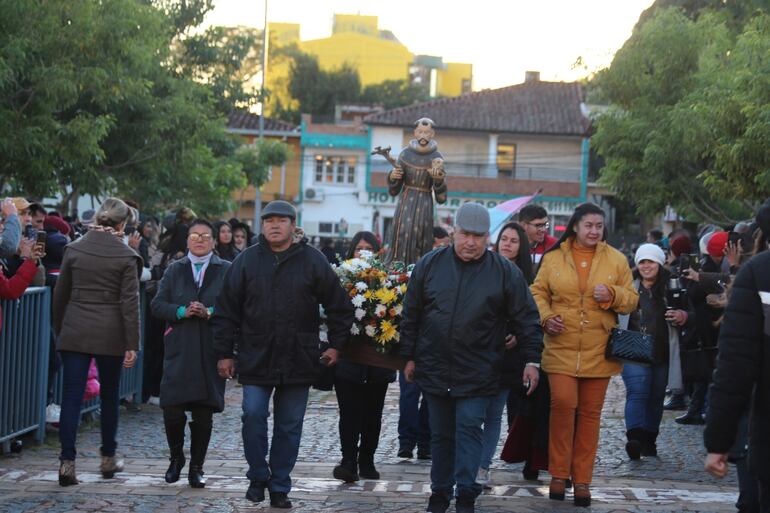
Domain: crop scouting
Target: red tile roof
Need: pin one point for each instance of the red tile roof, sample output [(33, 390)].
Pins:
[(245, 120), (537, 107)]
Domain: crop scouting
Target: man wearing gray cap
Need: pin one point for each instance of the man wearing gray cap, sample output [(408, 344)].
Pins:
[(266, 325), (462, 302)]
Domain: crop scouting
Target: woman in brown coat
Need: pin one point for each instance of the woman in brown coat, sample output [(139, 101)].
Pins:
[(96, 315), (581, 286)]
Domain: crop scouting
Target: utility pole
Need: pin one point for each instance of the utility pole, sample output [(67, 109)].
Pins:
[(257, 228)]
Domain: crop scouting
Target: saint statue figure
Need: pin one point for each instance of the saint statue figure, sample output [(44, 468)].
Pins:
[(418, 176)]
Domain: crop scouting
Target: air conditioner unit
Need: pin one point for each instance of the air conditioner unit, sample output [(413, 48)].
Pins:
[(315, 195)]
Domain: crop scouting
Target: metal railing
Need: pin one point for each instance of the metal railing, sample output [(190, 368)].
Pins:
[(24, 346), (24, 353), (130, 379)]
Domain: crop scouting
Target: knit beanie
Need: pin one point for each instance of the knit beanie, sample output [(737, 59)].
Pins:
[(650, 252), (681, 246), (717, 244)]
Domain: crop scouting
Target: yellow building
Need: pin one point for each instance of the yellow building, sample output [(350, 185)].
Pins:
[(358, 41)]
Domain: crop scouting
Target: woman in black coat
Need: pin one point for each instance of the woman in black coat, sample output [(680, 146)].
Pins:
[(360, 393), (185, 300)]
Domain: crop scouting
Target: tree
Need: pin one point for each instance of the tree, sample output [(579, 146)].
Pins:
[(392, 94), (256, 162), (684, 126), (316, 91), (91, 103)]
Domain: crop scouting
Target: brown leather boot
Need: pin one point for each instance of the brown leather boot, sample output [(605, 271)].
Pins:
[(556, 489), (582, 495), (67, 475)]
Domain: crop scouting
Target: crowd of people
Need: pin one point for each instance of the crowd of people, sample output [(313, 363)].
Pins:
[(522, 324)]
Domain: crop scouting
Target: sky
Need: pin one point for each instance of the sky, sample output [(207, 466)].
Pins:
[(501, 38)]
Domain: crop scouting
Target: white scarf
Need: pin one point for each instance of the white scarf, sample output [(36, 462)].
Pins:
[(199, 275)]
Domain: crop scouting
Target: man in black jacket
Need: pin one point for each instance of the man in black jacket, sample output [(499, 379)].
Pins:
[(743, 368), (267, 319), (461, 303)]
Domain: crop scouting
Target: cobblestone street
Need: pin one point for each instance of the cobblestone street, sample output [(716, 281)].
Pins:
[(674, 481)]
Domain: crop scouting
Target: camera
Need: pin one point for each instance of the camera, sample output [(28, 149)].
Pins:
[(676, 295)]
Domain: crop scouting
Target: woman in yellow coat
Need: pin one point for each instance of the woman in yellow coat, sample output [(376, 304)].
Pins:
[(581, 286)]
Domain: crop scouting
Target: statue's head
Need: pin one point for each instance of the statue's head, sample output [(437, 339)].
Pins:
[(423, 131)]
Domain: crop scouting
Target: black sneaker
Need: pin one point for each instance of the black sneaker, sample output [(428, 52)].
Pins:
[(675, 402), (346, 472), (465, 505), (405, 453), (423, 455), (280, 500), (690, 419), (438, 502), (256, 492), (368, 471)]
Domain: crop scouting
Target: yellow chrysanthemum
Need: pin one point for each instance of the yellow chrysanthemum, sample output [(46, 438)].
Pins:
[(387, 332), (385, 296), (368, 294)]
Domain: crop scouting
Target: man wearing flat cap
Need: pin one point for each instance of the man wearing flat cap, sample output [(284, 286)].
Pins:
[(462, 302), (266, 325)]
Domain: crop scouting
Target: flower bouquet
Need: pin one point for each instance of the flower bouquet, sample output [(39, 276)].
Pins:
[(376, 292)]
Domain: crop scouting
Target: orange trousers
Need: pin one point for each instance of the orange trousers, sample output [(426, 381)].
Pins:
[(576, 409)]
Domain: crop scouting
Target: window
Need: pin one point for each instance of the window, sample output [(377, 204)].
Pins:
[(506, 159), (335, 170), (328, 228)]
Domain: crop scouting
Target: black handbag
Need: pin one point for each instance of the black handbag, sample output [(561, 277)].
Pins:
[(630, 347)]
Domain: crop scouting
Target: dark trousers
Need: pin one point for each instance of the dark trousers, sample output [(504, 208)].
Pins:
[(361, 407), (764, 496), (456, 443), (75, 369), (413, 418), (698, 398), (175, 419)]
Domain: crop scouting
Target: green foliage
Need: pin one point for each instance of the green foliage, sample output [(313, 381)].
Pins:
[(226, 60), (392, 94), (256, 161), (688, 119), (318, 91), (92, 102)]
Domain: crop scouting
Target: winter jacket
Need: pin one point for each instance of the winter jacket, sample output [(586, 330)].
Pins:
[(579, 350), (96, 298), (189, 363), (13, 288), (11, 237), (268, 312), (743, 365), (456, 317)]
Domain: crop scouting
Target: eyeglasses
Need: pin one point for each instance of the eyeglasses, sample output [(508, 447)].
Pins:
[(540, 226), (195, 237)]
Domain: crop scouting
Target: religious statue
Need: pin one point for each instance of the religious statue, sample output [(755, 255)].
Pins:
[(418, 176)]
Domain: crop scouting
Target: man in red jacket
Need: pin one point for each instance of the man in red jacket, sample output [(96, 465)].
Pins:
[(13, 288)]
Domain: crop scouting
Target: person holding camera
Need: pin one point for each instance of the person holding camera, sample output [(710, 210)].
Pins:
[(663, 319), (698, 357)]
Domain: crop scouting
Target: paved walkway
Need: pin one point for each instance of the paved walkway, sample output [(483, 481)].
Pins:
[(672, 482)]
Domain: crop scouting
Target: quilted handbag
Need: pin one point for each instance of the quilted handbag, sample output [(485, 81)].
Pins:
[(630, 346)]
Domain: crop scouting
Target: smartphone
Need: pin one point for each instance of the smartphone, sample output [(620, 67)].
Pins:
[(29, 232), (684, 264), (40, 238)]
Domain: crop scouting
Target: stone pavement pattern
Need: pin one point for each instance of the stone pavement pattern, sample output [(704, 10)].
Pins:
[(673, 482)]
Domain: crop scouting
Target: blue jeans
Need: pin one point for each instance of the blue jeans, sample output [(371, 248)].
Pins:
[(413, 424), (289, 403), (492, 427), (75, 374), (456, 441), (645, 393)]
